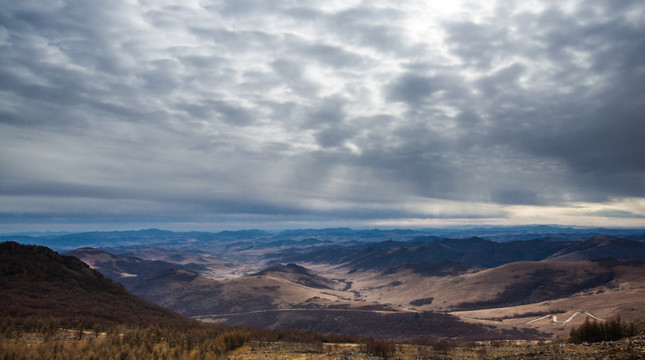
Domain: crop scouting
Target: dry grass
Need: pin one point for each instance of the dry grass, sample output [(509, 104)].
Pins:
[(623, 349), (33, 347)]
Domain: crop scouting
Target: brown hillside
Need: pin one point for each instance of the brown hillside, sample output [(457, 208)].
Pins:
[(192, 294), (508, 285), (37, 282)]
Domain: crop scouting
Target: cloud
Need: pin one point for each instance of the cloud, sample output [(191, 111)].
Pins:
[(617, 214), (415, 89), (332, 56), (197, 111)]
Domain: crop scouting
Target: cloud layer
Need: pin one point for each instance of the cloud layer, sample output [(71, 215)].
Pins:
[(364, 112)]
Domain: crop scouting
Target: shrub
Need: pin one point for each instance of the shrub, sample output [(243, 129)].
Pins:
[(381, 348)]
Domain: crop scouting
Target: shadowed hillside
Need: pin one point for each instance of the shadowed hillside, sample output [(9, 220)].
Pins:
[(535, 282), (393, 325), (601, 247), (473, 251), (37, 282), (129, 271), (444, 268)]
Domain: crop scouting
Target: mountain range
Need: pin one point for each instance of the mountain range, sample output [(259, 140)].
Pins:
[(208, 241), (305, 279), (472, 251)]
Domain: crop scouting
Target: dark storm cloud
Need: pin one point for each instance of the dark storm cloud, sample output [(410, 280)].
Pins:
[(321, 110)]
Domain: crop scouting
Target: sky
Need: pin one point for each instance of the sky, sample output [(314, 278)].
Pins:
[(199, 114)]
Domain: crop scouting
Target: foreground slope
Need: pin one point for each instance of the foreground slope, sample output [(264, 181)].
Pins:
[(37, 282)]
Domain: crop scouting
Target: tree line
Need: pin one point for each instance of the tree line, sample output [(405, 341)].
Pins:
[(611, 330)]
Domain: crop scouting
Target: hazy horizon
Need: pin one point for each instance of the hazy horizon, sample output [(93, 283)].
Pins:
[(41, 230)]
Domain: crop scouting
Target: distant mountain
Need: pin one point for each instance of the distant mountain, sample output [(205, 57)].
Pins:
[(601, 247), (261, 246), (38, 282), (111, 238), (472, 251), (532, 232), (136, 238), (247, 245), (347, 234)]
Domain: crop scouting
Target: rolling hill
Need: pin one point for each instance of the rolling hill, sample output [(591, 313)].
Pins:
[(298, 275), (129, 271), (194, 260), (474, 251), (189, 292), (601, 247)]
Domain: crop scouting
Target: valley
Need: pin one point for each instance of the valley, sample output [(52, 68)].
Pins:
[(334, 294), (392, 284), (379, 283)]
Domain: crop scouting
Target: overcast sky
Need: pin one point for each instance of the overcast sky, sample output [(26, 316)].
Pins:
[(283, 114)]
